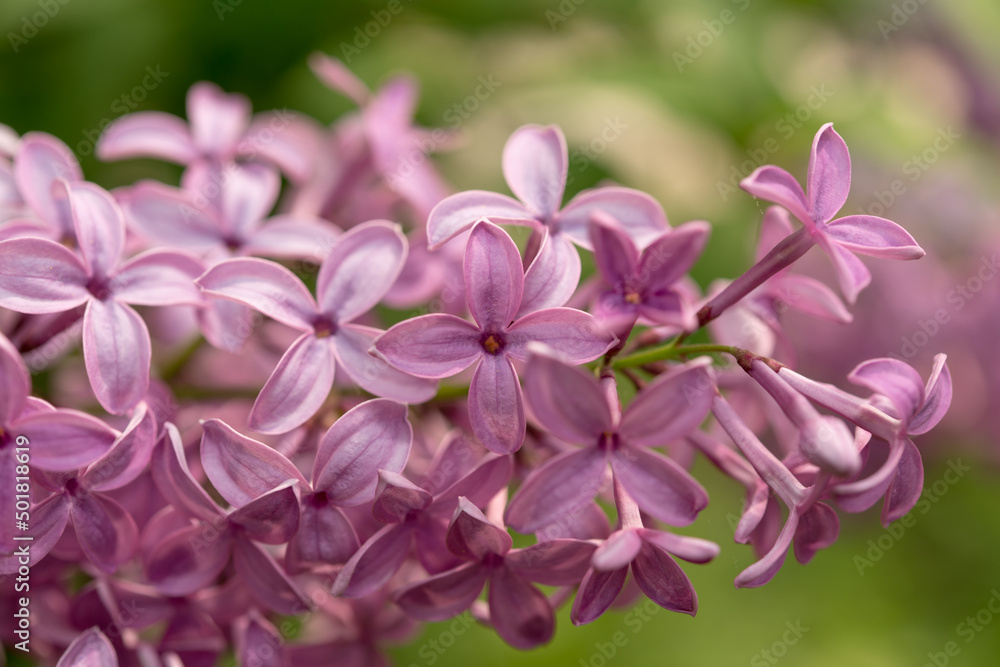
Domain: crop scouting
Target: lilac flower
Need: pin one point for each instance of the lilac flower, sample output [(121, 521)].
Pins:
[(352, 279), (642, 284), (439, 345), (220, 131), (412, 514), (535, 167), (519, 612), (41, 276), (828, 182), (901, 406), (574, 407), (40, 162), (649, 552)]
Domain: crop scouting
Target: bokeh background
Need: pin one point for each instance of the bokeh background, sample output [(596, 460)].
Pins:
[(681, 99)]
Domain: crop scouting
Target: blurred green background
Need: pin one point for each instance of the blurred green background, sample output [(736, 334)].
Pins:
[(689, 96)]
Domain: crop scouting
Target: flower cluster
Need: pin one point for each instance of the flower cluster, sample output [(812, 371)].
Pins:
[(256, 429)]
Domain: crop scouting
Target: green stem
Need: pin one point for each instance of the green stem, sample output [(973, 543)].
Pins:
[(673, 351)]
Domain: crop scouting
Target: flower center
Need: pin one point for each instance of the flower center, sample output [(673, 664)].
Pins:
[(324, 327), (492, 343), (632, 297), (99, 287)]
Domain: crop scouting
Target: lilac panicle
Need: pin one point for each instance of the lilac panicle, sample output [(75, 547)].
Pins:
[(353, 278), (439, 345)]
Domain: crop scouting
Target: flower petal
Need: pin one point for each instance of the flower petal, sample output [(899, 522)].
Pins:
[(430, 346), (64, 440), (852, 275), (293, 236), (691, 549), (566, 400), (325, 537), (360, 269), (535, 165), (873, 236), (620, 549), (457, 213), (16, 383), (474, 537), (174, 481), (188, 560), (443, 595), (159, 278), (496, 409), (248, 195), (596, 594), (615, 253), (519, 612), (637, 213), (48, 522), (494, 278), (764, 569), (242, 469), (906, 487), (117, 351), (829, 178), (577, 335), (373, 436), (557, 490), (817, 530), (105, 530), (352, 343), (41, 160), (265, 286), (396, 497), (272, 518), (670, 256), (147, 134), (40, 276), (661, 488), (553, 275), (479, 485), (265, 579), (663, 581), (558, 562), (894, 379), (99, 224), (937, 398), (774, 184), (170, 216), (670, 407), (218, 119), (90, 649), (297, 388), (375, 562), (128, 457), (810, 296)]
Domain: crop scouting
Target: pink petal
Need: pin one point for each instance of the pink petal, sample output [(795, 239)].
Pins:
[(818, 528), (496, 410), (159, 278), (906, 487), (41, 160), (265, 286), (218, 119), (670, 407), (64, 440), (90, 649), (273, 518), (667, 259), (557, 490), (188, 560), (774, 227), (663, 581), (443, 595), (258, 642), (519, 612), (852, 275), (829, 179), (558, 562), (774, 184), (472, 536), (116, 350), (170, 216), (457, 213), (242, 469), (128, 457), (691, 549), (873, 236), (764, 569), (894, 379), (396, 497), (373, 436), (297, 388), (620, 549), (937, 398), (375, 562), (810, 296), (16, 383), (430, 346), (99, 224), (362, 266), (567, 401), (285, 139), (174, 480), (479, 485), (40, 276), (338, 77), (293, 237), (575, 334), (596, 594), (661, 488), (48, 521), (494, 278), (615, 253), (637, 213), (147, 134), (265, 579), (248, 195), (553, 275), (351, 345), (105, 529), (535, 165), (325, 535)]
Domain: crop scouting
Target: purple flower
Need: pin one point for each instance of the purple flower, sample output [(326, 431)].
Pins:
[(439, 345), (520, 613), (353, 278), (571, 405), (40, 162), (827, 184), (535, 165), (41, 276), (91, 649)]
